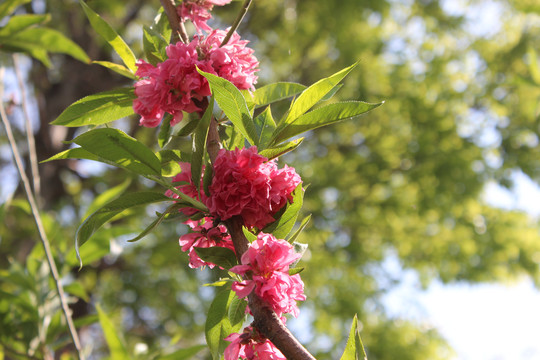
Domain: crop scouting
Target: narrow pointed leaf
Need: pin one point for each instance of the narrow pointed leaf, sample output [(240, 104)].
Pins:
[(354, 349), (121, 149), (111, 36), (251, 237), (9, 6), (199, 144), (322, 116), (237, 313), (233, 104), (218, 325), (271, 93), (302, 226), (21, 22), (274, 152), (173, 208), (115, 343), (75, 153), (93, 222), (100, 108), (117, 68), (314, 93), (154, 46), (283, 226), (265, 126), (107, 196), (41, 39), (164, 135)]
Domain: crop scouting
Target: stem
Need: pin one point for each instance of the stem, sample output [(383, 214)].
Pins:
[(178, 30), (237, 22), (212, 141), (41, 230), (29, 130)]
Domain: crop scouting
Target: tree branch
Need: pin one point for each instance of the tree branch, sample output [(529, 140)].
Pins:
[(41, 230), (177, 27), (237, 22)]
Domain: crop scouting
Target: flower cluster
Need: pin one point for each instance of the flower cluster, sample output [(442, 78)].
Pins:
[(174, 85), (267, 260), (247, 184), (251, 345)]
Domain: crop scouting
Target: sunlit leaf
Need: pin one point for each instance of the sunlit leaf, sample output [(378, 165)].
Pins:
[(117, 68), (233, 104), (98, 108), (283, 226), (271, 93), (221, 256), (114, 341), (111, 36)]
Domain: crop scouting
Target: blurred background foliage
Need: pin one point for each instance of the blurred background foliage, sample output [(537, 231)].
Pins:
[(407, 181)]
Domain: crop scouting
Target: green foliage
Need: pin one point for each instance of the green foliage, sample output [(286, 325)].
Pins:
[(233, 104), (98, 108), (271, 93), (286, 220), (93, 222), (224, 317), (111, 36), (199, 145), (8, 6), (223, 257), (114, 340), (354, 349)]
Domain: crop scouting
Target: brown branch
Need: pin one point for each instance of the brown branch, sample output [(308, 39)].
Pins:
[(178, 30), (237, 22)]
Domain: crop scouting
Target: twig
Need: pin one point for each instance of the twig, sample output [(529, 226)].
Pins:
[(177, 27), (236, 22), (39, 224), (32, 155)]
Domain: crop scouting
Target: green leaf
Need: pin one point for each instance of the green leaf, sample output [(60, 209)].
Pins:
[(75, 153), (232, 138), (314, 93), (117, 68), (187, 127), (283, 226), (302, 226), (111, 36), (21, 22), (295, 270), (182, 354), (115, 343), (207, 179), (237, 313), (223, 257), (158, 220), (265, 126), (354, 349), (199, 145), (39, 39), (164, 135), (218, 325), (274, 152), (92, 223), (322, 116), (271, 93), (233, 104), (107, 196), (98, 108), (8, 6), (75, 288), (121, 149), (251, 237), (299, 248), (154, 46)]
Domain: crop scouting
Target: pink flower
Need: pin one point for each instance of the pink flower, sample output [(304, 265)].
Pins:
[(175, 86), (198, 11), (172, 86), (204, 235), (233, 61), (268, 259), (251, 345), (247, 184)]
